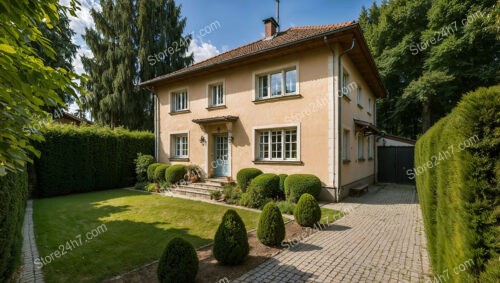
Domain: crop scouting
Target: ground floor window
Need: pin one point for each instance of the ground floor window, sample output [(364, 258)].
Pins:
[(180, 146), (370, 147), (277, 144), (345, 145)]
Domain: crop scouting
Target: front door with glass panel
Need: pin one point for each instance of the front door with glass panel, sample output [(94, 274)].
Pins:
[(221, 156)]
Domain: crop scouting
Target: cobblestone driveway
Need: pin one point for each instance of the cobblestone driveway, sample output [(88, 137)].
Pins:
[(381, 240)]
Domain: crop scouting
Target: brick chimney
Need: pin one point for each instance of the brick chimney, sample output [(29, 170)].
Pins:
[(271, 26)]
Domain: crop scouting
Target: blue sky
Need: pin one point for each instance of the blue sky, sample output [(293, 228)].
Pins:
[(234, 22)]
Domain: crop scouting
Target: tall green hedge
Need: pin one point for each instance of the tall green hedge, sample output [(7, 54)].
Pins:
[(457, 170), (13, 194), (87, 158)]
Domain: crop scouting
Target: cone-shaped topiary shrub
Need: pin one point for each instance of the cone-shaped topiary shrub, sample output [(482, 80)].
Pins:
[(151, 171), (271, 229), (159, 174), (245, 176), (231, 240), (178, 263), (298, 184), (307, 211), (175, 173)]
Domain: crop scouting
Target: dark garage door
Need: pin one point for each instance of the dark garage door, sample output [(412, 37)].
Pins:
[(393, 162)]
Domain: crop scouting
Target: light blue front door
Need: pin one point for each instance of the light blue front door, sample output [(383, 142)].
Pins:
[(221, 157)]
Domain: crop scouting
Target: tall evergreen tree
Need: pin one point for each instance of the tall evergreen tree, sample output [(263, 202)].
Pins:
[(429, 54), (128, 32)]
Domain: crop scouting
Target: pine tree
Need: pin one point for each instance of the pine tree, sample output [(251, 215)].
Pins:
[(128, 32)]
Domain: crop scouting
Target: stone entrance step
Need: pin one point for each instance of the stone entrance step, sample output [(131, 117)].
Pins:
[(202, 189)]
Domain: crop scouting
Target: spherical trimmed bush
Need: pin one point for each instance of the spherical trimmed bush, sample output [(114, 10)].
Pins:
[(159, 174), (307, 211), (245, 176), (271, 229), (151, 171), (282, 185), (175, 173), (178, 263), (298, 184), (263, 188), (231, 240)]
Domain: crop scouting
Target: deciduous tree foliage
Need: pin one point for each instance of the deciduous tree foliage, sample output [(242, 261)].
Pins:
[(429, 53), (28, 83), (126, 33)]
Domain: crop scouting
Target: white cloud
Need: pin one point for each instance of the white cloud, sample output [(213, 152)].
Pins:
[(77, 62), (202, 50)]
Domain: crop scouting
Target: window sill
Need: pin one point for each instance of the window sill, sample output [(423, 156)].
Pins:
[(210, 108), (346, 161), (361, 159), (181, 159), (278, 162), (370, 158), (277, 98), (369, 113), (360, 106), (347, 98), (180, 112)]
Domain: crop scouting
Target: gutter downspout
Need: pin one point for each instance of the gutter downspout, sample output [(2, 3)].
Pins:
[(339, 114)]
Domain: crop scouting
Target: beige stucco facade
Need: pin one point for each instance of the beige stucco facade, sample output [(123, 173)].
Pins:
[(312, 111)]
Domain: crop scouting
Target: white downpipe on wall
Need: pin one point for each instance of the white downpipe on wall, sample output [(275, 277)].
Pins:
[(156, 126)]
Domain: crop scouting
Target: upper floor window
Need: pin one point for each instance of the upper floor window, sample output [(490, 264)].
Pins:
[(359, 97), (345, 83), (276, 84), (216, 92), (179, 101), (369, 105), (370, 147), (277, 144)]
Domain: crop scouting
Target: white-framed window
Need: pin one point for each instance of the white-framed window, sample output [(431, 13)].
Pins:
[(277, 144), (345, 145), (345, 83), (359, 97), (361, 146), (278, 83), (370, 147), (180, 145), (216, 94), (369, 110), (180, 101)]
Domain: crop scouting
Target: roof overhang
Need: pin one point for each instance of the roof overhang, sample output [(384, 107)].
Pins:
[(360, 56), (366, 128), (214, 120)]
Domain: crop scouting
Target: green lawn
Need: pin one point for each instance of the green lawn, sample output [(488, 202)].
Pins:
[(328, 216), (138, 226)]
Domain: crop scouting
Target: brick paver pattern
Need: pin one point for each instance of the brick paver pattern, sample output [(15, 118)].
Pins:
[(29, 272), (382, 239)]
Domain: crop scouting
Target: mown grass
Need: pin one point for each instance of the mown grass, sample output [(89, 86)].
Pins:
[(138, 227)]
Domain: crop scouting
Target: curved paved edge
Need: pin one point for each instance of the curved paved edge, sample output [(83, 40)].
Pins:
[(382, 239), (29, 271)]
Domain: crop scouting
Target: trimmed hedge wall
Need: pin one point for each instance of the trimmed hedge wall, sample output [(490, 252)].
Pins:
[(457, 170), (13, 194), (88, 158)]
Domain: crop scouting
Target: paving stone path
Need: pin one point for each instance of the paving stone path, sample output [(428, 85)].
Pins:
[(381, 240), (29, 273)]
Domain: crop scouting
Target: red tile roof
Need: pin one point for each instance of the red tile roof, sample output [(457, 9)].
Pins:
[(284, 38)]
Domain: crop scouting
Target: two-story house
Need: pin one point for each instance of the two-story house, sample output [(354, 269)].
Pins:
[(297, 101)]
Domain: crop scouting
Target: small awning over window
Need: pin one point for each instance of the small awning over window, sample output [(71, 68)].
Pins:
[(366, 128), (220, 119)]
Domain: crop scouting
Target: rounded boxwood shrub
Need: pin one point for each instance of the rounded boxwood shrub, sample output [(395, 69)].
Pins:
[(307, 211), (282, 185), (142, 163), (262, 189), (178, 263), (151, 171), (245, 176), (271, 229), (298, 184), (231, 240), (159, 174), (175, 173)]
